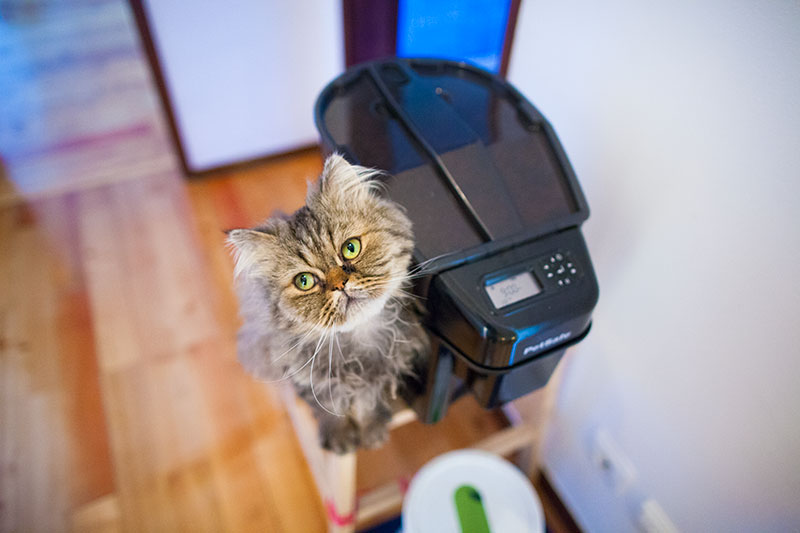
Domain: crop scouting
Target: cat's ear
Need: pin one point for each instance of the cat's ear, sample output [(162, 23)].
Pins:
[(250, 247), (342, 181)]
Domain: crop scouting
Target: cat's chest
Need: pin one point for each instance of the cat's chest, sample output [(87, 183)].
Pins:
[(361, 353), (367, 347)]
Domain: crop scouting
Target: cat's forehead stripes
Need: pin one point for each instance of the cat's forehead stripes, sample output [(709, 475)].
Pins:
[(306, 230), (324, 233), (306, 259)]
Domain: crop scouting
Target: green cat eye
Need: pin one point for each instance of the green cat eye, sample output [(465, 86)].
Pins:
[(351, 248), (304, 281)]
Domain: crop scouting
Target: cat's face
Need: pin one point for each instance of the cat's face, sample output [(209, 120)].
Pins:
[(336, 261)]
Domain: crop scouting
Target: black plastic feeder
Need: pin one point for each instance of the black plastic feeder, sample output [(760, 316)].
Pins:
[(495, 205)]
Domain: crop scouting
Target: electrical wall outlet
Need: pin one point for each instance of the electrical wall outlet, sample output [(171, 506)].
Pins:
[(612, 464), (619, 475), (653, 519)]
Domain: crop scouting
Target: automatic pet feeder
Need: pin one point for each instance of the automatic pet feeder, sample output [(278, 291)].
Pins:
[(496, 209)]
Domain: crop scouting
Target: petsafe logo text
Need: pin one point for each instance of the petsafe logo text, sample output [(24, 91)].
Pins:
[(552, 341)]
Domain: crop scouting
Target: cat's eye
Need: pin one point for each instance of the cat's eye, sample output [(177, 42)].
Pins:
[(351, 248), (304, 281)]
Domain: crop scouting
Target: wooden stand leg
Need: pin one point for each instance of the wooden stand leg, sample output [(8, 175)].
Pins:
[(335, 475), (340, 500)]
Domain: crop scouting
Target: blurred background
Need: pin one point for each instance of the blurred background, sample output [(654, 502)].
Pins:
[(131, 134)]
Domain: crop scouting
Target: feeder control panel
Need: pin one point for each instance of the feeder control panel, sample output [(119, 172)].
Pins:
[(558, 269), (512, 289), (553, 271)]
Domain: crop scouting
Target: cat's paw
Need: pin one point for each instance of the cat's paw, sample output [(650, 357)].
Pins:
[(374, 436), (340, 439)]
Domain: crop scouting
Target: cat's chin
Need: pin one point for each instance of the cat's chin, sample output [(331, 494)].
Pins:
[(359, 311)]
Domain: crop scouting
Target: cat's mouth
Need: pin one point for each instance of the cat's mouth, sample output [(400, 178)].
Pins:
[(351, 304), (348, 303), (356, 306)]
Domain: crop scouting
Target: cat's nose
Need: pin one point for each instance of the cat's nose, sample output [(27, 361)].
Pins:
[(336, 278)]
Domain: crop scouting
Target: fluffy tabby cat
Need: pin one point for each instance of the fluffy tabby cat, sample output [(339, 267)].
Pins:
[(323, 302)]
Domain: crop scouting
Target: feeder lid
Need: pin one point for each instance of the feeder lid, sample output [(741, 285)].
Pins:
[(472, 161)]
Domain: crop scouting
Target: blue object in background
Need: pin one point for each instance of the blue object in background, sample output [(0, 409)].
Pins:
[(461, 30)]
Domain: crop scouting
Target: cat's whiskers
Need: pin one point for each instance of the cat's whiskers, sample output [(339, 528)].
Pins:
[(347, 361), (303, 338), (411, 294), (381, 282), (402, 278), (295, 372), (384, 284), (369, 281), (397, 315), (326, 317), (289, 375), (418, 270), (427, 262), (330, 365), (338, 362), (311, 383)]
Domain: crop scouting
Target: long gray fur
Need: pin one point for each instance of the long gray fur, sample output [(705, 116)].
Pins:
[(362, 341)]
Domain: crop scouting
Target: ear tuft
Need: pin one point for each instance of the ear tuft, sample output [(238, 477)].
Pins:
[(340, 179), (336, 165)]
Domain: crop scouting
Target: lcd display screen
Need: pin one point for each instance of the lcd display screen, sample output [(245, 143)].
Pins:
[(511, 290)]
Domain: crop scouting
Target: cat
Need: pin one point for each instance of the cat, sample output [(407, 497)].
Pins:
[(323, 296)]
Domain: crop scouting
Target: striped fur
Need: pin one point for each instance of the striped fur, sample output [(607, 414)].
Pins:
[(347, 351)]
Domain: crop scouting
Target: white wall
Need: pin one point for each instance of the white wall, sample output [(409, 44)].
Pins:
[(682, 120), (243, 76)]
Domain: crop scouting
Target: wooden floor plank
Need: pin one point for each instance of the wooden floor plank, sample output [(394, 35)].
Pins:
[(98, 516), (55, 424)]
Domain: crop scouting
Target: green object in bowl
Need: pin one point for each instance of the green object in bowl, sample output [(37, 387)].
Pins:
[(470, 510)]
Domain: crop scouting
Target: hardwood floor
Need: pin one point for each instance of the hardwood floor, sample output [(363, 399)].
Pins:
[(122, 399), (122, 406)]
